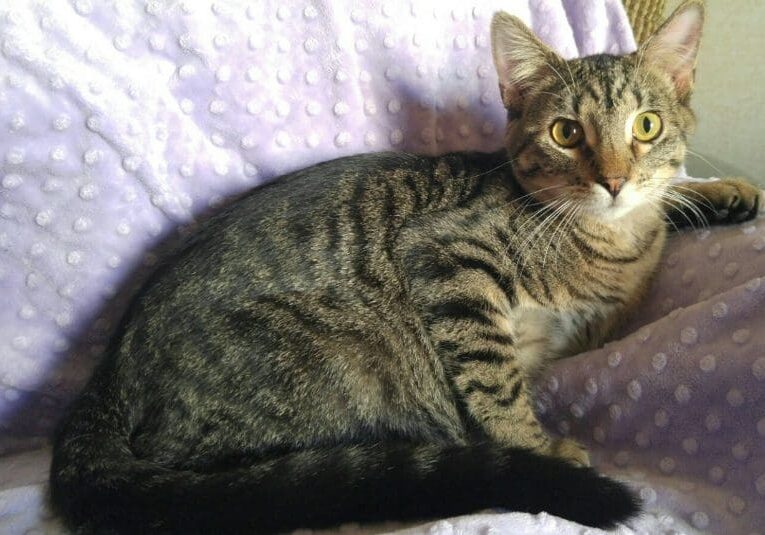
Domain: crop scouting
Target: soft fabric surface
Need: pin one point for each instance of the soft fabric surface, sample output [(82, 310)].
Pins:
[(123, 122)]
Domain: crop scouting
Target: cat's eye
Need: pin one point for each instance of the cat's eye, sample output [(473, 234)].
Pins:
[(647, 126), (566, 133)]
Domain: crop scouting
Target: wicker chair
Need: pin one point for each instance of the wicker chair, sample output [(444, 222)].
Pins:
[(645, 16)]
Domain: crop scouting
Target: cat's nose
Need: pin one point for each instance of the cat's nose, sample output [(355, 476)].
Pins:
[(613, 185)]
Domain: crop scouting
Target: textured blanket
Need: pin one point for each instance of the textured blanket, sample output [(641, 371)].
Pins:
[(122, 122)]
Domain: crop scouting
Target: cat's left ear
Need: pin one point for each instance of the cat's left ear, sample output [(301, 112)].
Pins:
[(520, 58), (675, 45)]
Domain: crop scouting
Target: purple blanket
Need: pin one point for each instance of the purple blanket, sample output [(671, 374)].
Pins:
[(124, 121)]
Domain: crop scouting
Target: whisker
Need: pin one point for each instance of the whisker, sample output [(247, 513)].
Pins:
[(533, 218), (543, 213), (697, 195), (529, 199), (554, 233), (571, 75), (572, 220), (561, 78), (545, 224), (706, 161), (567, 225), (691, 206), (557, 186), (500, 166), (540, 219), (561, 97), (675, 201), (660, 209)]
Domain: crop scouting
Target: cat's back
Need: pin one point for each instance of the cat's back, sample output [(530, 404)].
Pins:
[(303, 229), (314, 191), (288, 224), (299, 234), (321, 239)]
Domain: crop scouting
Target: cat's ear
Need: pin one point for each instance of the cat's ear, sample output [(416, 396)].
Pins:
[(675, 45), (519, 57)]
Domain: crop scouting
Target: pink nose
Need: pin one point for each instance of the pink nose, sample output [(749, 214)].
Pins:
[(613, 185)]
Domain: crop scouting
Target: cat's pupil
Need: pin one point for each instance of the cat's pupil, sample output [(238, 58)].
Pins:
[(647, 124), (568, 130)]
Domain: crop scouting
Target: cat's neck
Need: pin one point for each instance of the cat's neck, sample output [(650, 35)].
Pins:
[(629, 230)]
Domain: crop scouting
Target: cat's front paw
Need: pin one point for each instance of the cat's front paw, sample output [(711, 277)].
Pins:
[(734, 199), (730, 200)]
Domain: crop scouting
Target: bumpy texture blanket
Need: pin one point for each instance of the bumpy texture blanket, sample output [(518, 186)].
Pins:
[(122, 122)]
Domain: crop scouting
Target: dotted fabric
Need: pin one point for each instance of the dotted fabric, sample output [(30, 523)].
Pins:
[(123, 121)]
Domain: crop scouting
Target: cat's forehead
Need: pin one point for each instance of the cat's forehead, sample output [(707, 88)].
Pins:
[(601, 88), (602, 63), (604, 84), (607, 91)]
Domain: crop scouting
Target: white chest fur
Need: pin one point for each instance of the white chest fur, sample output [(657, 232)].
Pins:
[(541, 335)]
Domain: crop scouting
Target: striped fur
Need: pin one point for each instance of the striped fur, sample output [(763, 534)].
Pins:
[(357, 340)]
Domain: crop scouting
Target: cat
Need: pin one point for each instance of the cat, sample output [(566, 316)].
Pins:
[(357, 341)]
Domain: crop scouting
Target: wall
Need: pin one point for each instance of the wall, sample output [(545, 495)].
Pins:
[(729, 98)]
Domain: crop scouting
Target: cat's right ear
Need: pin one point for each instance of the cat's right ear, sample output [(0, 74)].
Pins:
[(520, 58)]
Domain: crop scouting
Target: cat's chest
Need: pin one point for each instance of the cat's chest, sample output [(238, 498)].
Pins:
[(540, 335), (576, 309)]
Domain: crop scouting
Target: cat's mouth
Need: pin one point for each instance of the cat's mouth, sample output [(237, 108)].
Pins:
[(610, 206)]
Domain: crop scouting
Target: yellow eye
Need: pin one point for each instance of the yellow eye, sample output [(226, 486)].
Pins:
[(647, 126), (566, 133)]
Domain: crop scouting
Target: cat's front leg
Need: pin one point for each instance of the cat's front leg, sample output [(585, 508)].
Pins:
[(472, 341), (730, 200), (463, 289), (495, 391)]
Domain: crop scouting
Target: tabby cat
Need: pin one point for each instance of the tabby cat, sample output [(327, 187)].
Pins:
[(357, 340)]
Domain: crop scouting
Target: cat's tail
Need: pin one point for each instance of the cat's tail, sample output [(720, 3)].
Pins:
[(98, 485)]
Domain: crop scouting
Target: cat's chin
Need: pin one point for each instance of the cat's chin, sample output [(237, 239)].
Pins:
[(616, 211), (609, 209)]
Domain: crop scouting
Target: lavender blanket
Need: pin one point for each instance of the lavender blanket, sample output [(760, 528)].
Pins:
[(124, 121)]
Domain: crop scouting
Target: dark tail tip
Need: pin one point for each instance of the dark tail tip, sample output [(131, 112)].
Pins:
[(586, 497)]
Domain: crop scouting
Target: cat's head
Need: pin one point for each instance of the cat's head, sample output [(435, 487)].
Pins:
[(604, 132)]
